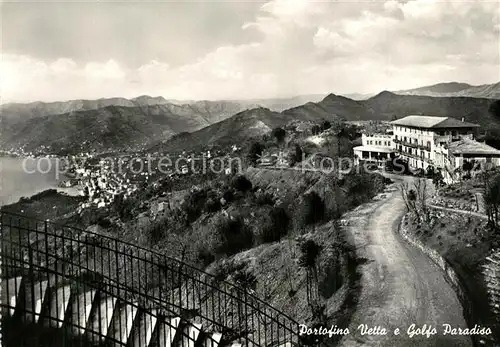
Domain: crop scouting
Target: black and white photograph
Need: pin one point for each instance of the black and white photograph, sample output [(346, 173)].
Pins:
[(250, 173)]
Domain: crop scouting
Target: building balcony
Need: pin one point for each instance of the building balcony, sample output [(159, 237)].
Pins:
[(413, 145), (405, 143), (418, 157)]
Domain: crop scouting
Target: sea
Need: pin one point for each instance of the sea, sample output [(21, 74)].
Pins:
[(24, 177)]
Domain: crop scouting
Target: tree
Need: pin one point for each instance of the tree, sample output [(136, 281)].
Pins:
[(254, 152), (494, 109), (415, 198), (234, 236), (279, 134), (435, 175), (313, 208), (277, 226), (326, 125), (295, 156), (310, 251), (316, 129), (492, 197), (438, 179), (241, 183)]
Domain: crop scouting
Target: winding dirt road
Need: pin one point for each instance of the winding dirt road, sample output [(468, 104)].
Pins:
[(400, 285)]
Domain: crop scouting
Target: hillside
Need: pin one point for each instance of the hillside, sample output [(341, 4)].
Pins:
[(387, 106), (454, 89), (224, 123), (384, 106), (20, 124), (213, 110), (41, 109), (111, 127), (234, 130)]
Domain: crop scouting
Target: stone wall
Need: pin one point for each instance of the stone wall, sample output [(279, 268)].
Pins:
[(491, 273)]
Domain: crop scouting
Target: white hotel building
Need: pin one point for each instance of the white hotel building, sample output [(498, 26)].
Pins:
[(442, 142)]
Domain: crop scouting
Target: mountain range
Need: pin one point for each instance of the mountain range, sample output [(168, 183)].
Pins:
[(384, 106), (488, 91), (120, 123)]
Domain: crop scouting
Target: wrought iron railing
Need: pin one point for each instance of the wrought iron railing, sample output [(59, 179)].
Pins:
[(29, 325), (151, 279)]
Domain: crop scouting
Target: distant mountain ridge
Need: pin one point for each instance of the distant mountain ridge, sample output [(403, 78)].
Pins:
[(106, 128), (19, 122), (383, 106), (39, 108), (449, 89), (217, 123), (489, 91)]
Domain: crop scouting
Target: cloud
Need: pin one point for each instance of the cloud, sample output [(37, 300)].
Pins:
[(302, 47)]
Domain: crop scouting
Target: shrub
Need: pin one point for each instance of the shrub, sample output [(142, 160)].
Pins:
[(212, 205), (277, 227), (241, 183), (326, 125), (245, 279), (254, 153), (279, 134), (205, 256), (125, 207), (309, 254), (313, 208), (104, 222), (194, 204), (316, 129), (295, 156), (234, 236), (265, 198)]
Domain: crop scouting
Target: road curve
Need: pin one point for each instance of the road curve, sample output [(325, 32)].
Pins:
[(400, 285)]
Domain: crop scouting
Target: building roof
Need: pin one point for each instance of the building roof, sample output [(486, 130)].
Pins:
[(380, 149), (431, 122), (468, 146)]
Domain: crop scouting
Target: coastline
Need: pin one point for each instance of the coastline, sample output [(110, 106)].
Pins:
[(16, 183)]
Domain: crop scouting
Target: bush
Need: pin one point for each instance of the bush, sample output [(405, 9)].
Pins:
[(228, 195), (264, 198), (194, 204), (254, 153), (125, 207), (245, 279), (241, 183), (205, 256), (234, 236), (309, 253), (104, 222), (277, 227), (279, 134), (212, 205), (295, 156), (316, 129), (313, 208)]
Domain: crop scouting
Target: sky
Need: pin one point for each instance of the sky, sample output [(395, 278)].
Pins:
[(239, 50)]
